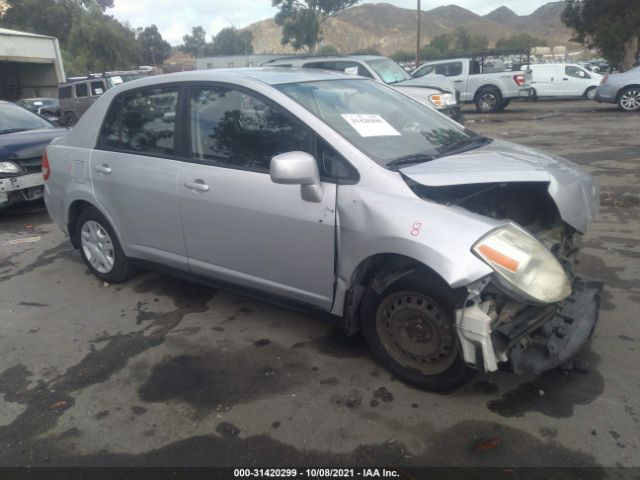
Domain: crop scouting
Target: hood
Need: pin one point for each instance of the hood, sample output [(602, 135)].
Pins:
[(573, 191), (29, 144), (429, 81)]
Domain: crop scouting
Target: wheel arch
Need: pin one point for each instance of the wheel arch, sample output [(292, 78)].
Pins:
[(484, 88), (76, 207), (622, 89), (378, 271)]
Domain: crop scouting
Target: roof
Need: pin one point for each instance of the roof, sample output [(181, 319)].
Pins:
[(316, 58), (16, 33), (268, 75)]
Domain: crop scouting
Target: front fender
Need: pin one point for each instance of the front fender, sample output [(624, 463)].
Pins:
[(373, 222)]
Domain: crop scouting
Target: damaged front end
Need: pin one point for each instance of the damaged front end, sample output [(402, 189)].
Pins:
[(533, 313)]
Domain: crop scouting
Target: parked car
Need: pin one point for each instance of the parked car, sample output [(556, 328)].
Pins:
[(480, 81), (563, 80), (77, 94), (451, 251), (436, 92), (621, 88), (48, 108), (23, 138)]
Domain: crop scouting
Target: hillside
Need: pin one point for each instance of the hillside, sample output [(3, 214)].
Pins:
[(389, 28)]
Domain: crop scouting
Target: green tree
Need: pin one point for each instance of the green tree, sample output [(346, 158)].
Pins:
[(196, 43), (155, 50), (302, 20), (520, 40), (327, 50), (366, 51), (403, 56), (467, 42), (613, 26), (231, 41)]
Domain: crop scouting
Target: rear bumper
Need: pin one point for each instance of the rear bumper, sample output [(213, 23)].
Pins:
[(524, 93), (537, 339), (607, 94), (21, 188)]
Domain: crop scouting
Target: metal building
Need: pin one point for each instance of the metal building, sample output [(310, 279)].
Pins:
[(30, 65)]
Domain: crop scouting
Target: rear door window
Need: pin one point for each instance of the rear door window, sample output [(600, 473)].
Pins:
[(142, 122), (353, 68), (97, 88), (452, 69), (81, 90)]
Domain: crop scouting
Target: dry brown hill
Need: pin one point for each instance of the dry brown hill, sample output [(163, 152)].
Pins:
[(388, 28)]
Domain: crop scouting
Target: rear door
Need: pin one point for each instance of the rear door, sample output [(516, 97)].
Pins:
[(239, 226), (134, 171), (455, 72), (81, 98)]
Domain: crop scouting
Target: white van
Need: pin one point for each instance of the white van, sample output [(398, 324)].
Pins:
[(563, 80)]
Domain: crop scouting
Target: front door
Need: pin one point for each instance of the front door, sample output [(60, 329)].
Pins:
[(135, 177), (238, 225)]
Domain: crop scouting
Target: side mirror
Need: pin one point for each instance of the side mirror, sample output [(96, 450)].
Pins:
[(298, 168)]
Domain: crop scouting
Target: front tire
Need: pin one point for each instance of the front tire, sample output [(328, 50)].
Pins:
[(629, 99), (489, 100), (69, 119), (410, 329), (100, 248)]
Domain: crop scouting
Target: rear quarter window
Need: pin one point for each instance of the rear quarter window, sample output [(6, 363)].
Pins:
[(64, 92)]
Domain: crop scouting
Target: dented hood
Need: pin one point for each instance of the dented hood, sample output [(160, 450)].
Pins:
[(573, 190)]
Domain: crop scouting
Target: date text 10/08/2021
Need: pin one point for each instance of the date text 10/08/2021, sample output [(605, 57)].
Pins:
[(315, 473)]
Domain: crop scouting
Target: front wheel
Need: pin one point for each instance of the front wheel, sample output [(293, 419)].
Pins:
[(410, 329), (100, 249), (629, 100)]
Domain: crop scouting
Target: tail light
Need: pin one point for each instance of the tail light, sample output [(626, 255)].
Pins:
[(46, 170), (604, 79), (519, 79)]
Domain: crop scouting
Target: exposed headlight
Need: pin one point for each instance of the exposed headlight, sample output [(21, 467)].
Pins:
[(9, 167), (443, 99), (523, 266)]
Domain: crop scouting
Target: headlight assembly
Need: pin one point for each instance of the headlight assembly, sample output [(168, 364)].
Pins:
[(9, 167), (523, 266), (443, 99)]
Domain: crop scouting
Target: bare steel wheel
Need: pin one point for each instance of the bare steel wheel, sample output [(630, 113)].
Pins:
[(100, 248), (630, 99), (416, 332), (410, 329), (97, 246)]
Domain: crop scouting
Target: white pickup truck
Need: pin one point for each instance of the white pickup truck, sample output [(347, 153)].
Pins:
[(481, 81)]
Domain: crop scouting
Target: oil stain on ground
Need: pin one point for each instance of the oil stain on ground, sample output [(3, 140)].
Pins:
[(223, 378), (336, 344), (457, 445), (46, 401), (554, 393)]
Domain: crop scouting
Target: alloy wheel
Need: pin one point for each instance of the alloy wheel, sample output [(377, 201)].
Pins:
[(630, 99)]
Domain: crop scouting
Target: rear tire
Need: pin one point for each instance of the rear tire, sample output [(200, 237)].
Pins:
[(488, 100), (410, 329), (629, 99), (69, 119), (533, 96), (590, 94), (504, 104), (100, 248)]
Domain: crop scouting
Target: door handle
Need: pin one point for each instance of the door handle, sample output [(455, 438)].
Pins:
[(197, 185), (104, 168), (457, 81), (565, 79)]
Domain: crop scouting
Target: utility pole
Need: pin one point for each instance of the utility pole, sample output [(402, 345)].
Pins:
[(418, 39)]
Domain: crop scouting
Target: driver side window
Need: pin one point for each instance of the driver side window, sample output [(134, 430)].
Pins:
[(234, 129)]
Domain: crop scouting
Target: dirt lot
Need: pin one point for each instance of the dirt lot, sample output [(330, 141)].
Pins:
[(164, 372)]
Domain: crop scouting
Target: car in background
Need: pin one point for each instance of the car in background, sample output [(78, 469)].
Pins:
[(562, 80), (48, 108), (436, 92), (23, 138), (621, 88), (77, 94), (452, 252), (487, 82)]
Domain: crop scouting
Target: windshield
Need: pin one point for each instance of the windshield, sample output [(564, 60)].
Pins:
[(388, 70), (35, 105), (17, 119), (382, 123)]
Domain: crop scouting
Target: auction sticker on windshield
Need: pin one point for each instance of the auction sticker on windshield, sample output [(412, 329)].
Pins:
[(368, 125)]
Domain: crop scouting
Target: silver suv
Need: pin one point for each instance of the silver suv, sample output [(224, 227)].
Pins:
[(621, 88), (450, 251)]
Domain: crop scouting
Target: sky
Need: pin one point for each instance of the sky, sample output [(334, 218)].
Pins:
[(214, 15)]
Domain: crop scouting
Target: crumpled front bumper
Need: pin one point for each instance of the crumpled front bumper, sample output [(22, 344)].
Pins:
[(536, 340), (20, 188)]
